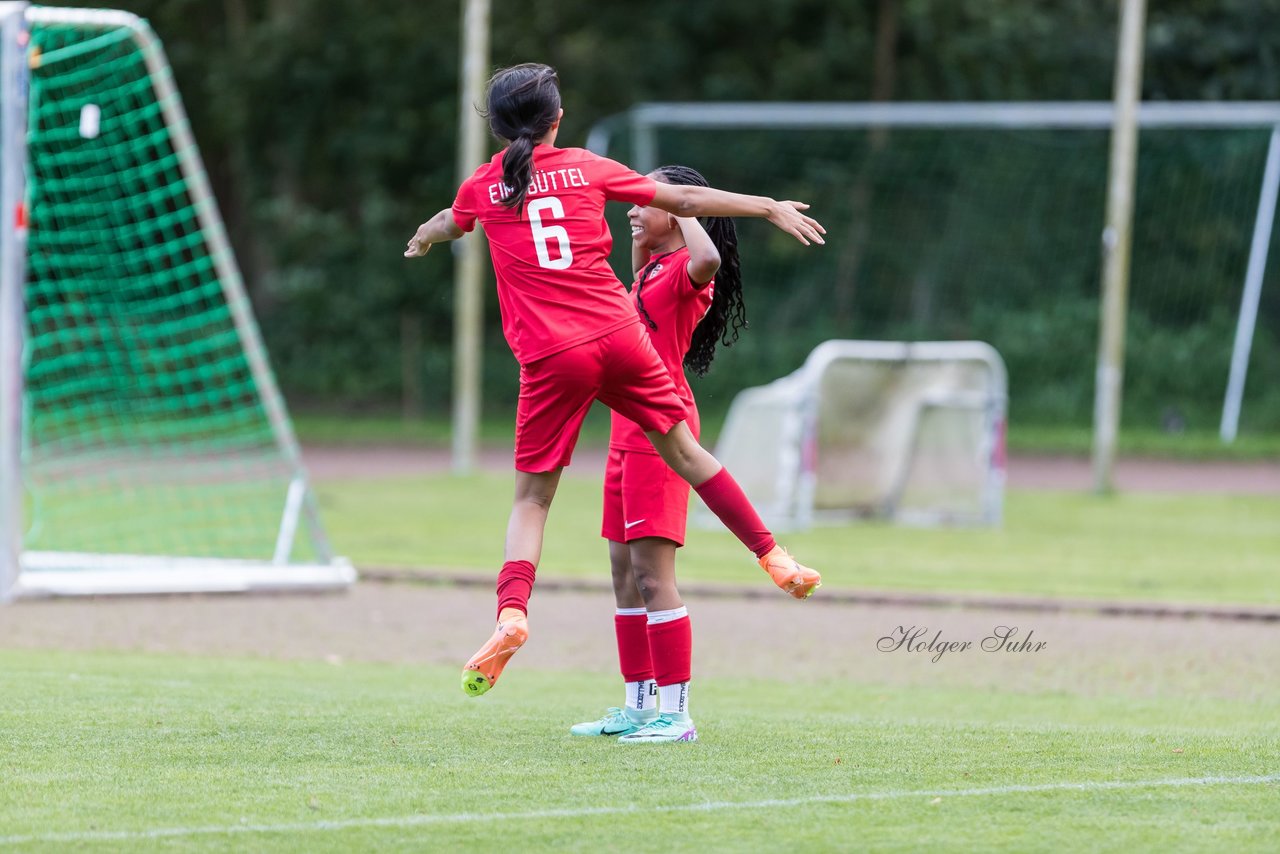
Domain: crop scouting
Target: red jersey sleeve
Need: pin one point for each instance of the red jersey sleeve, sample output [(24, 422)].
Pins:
[(464, 205), (696, 288), (622, 184)]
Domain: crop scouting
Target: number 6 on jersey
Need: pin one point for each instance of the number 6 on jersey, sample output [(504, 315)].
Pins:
[(543, 233)]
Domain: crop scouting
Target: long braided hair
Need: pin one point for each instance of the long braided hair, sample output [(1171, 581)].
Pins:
[(727, 315)]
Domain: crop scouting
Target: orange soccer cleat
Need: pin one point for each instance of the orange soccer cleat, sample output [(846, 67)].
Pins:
[(786, 572), (484, 668)]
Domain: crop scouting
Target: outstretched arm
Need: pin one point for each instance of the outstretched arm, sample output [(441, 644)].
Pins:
[(438, 229), (686, 200)]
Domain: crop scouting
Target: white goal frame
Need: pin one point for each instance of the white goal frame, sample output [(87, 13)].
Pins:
[(644, 121), (33, 574), (797, 396)]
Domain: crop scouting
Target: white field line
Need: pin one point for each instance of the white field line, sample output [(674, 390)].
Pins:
[(587, 812)]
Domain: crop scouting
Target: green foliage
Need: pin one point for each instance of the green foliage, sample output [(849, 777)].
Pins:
[(329, 131)]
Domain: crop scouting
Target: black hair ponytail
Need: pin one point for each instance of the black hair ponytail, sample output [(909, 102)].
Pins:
[(517, 170), (523, 103)]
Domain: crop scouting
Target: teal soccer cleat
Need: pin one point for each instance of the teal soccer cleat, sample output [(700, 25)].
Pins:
[(615, 722), (663, 730)]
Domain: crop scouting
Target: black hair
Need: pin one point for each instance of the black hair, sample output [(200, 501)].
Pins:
[(728, 314), (523, 103)]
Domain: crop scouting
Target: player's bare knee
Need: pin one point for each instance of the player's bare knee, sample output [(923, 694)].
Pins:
[(539, 500), (651, 583), (537, 491), (648, 586), (623, 581)]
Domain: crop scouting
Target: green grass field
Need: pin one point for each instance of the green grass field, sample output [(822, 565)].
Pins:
[(127, 752), (496, 428), (1190, 548)]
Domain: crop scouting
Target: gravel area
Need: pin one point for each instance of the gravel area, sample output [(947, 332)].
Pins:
[(768, 638), (775, 638)]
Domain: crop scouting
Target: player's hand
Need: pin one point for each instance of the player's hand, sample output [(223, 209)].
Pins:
[(788, 217), (418, 244)]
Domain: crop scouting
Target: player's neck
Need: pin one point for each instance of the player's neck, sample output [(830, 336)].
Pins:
[(668, 246)]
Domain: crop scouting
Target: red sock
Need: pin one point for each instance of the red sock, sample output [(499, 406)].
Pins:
[(515, 583), (727, 500), (633, 646), (671, 649)]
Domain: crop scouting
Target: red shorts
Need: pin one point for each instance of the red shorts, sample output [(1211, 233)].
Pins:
[(643, 498), (621, 370)]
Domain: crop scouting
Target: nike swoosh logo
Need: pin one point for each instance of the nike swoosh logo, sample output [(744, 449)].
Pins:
[(630, 525)]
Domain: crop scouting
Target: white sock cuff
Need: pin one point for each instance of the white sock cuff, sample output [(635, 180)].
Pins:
[(674, 700), (642, 696), (631, 612), (667, 616)]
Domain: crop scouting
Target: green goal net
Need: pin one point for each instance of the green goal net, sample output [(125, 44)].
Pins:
[(155, 446)]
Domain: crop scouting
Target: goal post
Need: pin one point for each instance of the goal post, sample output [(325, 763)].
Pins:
[(945, 215), (912, 432), (147, 448), (13, 83)]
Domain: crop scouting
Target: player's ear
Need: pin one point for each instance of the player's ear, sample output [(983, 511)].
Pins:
[(559, 116)]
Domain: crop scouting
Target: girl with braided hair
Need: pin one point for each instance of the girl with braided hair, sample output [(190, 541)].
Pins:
[(575, 333), (688, 292)]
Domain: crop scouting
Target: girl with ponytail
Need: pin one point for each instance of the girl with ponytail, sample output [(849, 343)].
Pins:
[(576, 334)]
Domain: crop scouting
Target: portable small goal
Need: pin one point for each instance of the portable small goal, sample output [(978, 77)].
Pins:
[(912, 432)]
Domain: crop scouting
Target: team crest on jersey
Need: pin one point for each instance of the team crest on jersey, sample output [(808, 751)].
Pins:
[(657, 268)]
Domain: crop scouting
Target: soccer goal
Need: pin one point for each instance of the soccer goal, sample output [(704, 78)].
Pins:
[(144, 445), (985, 221), (911, 432)]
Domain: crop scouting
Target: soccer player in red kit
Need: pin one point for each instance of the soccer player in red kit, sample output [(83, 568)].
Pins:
[(688, 291), (575, 332)]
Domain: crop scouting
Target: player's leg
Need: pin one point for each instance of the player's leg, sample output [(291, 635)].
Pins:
[(630, 622), (630, 626), (637, 386), (657, 509), (724, 497), (529, 509), (653, 562), (534, 493), (555, 394)]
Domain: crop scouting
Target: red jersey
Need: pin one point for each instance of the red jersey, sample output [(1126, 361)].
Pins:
[(550, 255), (676, 305)]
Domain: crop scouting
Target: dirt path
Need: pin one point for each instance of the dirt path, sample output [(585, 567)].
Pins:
[(1025, 471), (769, 638), (774, 638)]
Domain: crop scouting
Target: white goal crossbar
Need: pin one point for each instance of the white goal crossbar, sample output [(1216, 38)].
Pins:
[(643, 122)]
